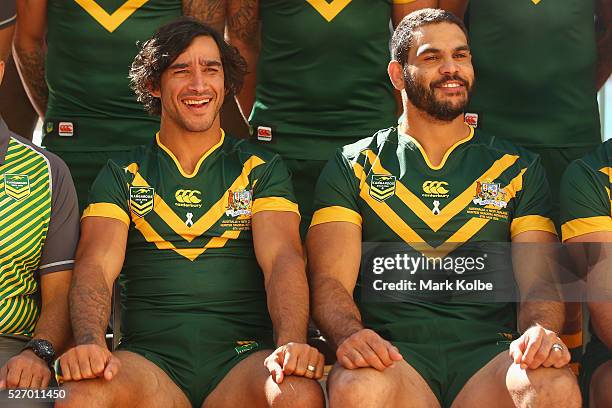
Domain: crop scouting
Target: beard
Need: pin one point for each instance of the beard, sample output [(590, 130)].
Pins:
[(425, 99)]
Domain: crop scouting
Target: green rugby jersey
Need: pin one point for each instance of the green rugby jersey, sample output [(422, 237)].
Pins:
[(190, 246), (322, 75), (484, 190), (534, 62), (91, 46), (38, 227), (586, 205)]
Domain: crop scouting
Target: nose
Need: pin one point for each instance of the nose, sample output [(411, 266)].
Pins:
[(449, 67), (198, 81)]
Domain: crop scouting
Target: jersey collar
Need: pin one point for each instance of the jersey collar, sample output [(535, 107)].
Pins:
[(4, 140), (197, 167), (446, 155)]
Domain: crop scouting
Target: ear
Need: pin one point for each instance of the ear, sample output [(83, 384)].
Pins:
[(153, 91), (396, 74), (1, 70)]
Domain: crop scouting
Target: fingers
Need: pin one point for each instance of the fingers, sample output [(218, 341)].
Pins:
[(274, 366), (320, 367), (516, 350), (366, 348), (312, 362), (533, 345), (3, 374), (13, 377), (542, 353), (112, 368), (88, 361), (559, 355)]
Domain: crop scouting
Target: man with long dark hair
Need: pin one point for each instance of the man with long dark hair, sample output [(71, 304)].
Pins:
[(205, 228)]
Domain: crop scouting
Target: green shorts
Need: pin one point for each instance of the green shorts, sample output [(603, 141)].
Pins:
[(195, 373), (448, 354), (304, 175), (596, 354), (84, 167)]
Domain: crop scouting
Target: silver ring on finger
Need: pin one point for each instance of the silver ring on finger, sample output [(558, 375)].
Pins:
[(557, 347), (311, 368)]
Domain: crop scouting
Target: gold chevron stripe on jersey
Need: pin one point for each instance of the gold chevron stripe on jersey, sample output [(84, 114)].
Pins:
[(411, 237), (25, 205), (451, 209), (329, 11), (203, 224), (111, 21)]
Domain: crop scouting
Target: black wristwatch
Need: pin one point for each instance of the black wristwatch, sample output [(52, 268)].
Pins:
[(42, 348)]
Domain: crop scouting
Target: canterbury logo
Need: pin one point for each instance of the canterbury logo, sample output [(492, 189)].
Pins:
[(435, 187), (187, 196)]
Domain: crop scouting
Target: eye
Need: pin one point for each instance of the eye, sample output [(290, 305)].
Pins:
[(181, 71), (431, 58)]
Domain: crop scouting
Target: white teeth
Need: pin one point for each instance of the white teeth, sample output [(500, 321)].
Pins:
[(194, 102), (451, 85)]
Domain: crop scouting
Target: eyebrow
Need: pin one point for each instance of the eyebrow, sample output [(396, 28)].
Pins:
[(436, 50), (207, 63)]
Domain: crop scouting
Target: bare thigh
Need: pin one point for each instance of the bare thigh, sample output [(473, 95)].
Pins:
[(397, 386), (501, 383), (249, 384), (139, 383)]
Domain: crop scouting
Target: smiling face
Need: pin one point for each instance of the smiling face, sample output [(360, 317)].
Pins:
[(192, 88), (438, 75)]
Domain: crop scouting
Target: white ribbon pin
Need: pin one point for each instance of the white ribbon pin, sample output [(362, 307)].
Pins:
[(436, 209), (189, 221)]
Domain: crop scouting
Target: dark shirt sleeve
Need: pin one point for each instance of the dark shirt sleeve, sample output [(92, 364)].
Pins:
[(8, 15), (60, 245)]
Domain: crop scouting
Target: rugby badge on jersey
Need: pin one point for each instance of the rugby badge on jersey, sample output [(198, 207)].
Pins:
[(141, 200), (435, 189), (65, 129), (490, 194), (382, 186), (17, 186), (239, 203)]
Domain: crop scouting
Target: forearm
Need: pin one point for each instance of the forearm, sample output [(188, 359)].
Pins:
[(334, 310), (211, 12), (90, 299), (243, 30), (54, 324), (287, 293), (548, 314), (30, 61)]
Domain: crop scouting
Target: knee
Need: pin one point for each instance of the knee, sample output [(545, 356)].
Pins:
[(298, 392), (601, 384), (358, 387), (81, 394), (546, 387)]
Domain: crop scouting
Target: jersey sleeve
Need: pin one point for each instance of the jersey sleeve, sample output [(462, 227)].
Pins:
[(585, 202), (533, 205), (109, 194), (63, 233), (273, 190), (336, 193)]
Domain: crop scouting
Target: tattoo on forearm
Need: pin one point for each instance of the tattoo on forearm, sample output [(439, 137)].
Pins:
[(89, 307), (243, 22), (32, 67), (208, 11)]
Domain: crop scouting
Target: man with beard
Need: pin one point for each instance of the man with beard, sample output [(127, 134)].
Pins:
[(434, 184), (213, 279)]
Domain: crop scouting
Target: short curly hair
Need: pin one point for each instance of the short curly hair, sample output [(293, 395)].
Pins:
[(169, 41), (403, 37)]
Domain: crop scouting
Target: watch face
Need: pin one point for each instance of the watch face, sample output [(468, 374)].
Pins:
[(43, 349)]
